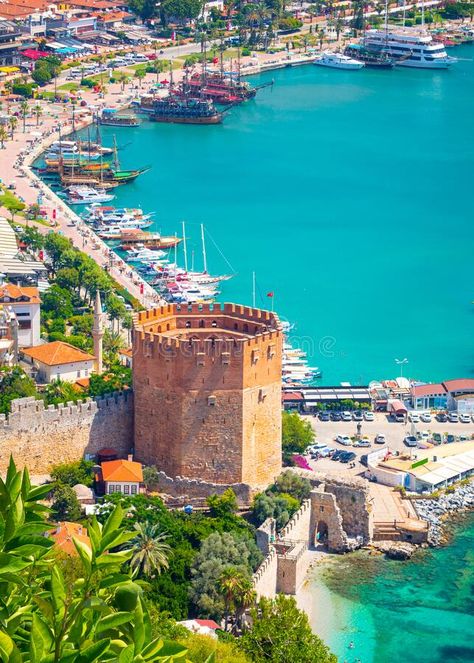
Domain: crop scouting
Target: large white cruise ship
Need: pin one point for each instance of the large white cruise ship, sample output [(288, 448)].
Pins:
[(408, 48)]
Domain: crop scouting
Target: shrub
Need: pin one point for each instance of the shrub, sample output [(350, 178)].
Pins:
[(88, 82), (23, 89)]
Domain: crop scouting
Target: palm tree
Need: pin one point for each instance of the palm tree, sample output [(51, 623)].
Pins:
[(123, 79), (24, 110), (149, 550), (140, 74), (246, 597), (3, 137), (230, 582), (38, 111)]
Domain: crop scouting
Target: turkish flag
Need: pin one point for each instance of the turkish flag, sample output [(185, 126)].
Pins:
[(54, 213), (141, 288), (270, 294)]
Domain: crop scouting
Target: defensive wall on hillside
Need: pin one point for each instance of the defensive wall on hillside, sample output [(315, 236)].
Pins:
[(40, 437), (337, 517)]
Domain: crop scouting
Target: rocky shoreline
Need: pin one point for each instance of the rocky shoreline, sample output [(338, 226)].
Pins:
[(435, 511)]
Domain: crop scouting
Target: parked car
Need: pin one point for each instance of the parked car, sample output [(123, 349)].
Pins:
[(358, 416), (424, 435), (438, 438), (414, 417), (344, 439), (324, 416), (464, 437), (464, 418), (426, 417), (336, 416), (453, 417), (348, 457), (380, 438), (346, 416), (326, 452), (313, 448), (410, 441), (363, 442), (399, 418), (450, 438), (336, 455), (364, 460), (369, 416), (442, 417)]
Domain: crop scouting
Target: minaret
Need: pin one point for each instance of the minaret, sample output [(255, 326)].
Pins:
[(98, 333)]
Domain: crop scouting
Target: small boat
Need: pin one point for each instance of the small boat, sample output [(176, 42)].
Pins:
[(338, 61)]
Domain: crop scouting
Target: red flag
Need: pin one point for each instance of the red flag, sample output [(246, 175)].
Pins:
[(141, 288), (270, 294), (54, 213)]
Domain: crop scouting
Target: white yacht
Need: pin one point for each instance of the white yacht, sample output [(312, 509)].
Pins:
[(409, 48), (84, 195), (338, 61)]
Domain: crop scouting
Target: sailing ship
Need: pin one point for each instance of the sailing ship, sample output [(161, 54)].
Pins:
[(185, 110), (368, 57)]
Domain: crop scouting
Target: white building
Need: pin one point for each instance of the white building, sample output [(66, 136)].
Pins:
[(60, 361), (122, 476), (25, 303)]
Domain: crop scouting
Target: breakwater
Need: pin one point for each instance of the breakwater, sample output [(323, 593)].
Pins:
[(437, 511)]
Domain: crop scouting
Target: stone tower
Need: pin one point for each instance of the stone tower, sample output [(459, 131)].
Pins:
[(98, 333), (207, 385)]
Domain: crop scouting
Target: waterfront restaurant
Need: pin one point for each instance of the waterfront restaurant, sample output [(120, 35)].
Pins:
[(447, 395), (310, 399)]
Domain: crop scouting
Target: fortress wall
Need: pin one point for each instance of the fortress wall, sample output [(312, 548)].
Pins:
[(40, 437), (265, 577)]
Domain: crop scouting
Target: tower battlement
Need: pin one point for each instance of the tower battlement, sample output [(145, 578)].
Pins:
[(207, 380)]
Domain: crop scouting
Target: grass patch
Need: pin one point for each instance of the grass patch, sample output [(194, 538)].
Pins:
[(69, 87)]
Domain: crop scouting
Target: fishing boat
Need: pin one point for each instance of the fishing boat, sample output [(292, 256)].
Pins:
[(110, 117), (185, 110), (338, 61), (84, 195), (218, 87), (369, 58)]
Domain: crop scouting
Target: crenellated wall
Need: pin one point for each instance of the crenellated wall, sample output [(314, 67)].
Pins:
[(265, 577), (40, 437)]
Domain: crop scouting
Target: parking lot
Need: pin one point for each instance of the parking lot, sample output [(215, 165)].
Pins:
[(327, 431)]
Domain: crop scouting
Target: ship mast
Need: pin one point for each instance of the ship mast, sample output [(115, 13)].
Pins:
[(253, 291), (116, 159), (185, 248), (204, 257)]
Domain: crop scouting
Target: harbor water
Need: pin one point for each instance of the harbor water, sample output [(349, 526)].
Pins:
[(349, 193), (372, 610)]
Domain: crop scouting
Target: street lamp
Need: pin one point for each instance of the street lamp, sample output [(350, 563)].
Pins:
[(401, 363)]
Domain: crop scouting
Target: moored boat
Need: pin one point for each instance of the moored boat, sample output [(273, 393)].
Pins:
[(338, 61), (186, 110), (369, 58)]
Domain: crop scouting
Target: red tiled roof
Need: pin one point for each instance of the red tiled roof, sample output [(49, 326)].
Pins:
[(64, 533), (210, 623), (458, 385), (122, 470), (292, 396), (15, 292), (57, 353), (427, 389)]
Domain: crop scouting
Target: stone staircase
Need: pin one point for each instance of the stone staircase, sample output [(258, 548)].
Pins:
[(386, 532)]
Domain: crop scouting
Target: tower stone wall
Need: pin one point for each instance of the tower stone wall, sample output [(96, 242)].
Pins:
[(207, 383)]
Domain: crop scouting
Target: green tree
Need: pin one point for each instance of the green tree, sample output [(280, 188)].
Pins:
[(12, 123), (292, 484), (12, 204), (14, 383), (218, 552), (41, 75), (3, 137), (237, 590), (59, 391), (57, 301), (268, 505), (281, 633), (149, 549), (297, 433), (181, 10), (71, 474), (24, 107), (221, 506), (99, 616), (65, 504)]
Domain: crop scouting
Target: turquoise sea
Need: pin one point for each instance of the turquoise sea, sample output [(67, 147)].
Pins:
[(350, 196), (421, 611)]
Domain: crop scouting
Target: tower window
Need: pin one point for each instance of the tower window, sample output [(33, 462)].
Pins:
[(188, 324), (201, 323), (214, 323)]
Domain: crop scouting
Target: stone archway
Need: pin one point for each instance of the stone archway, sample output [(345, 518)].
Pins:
[(321, 534)]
